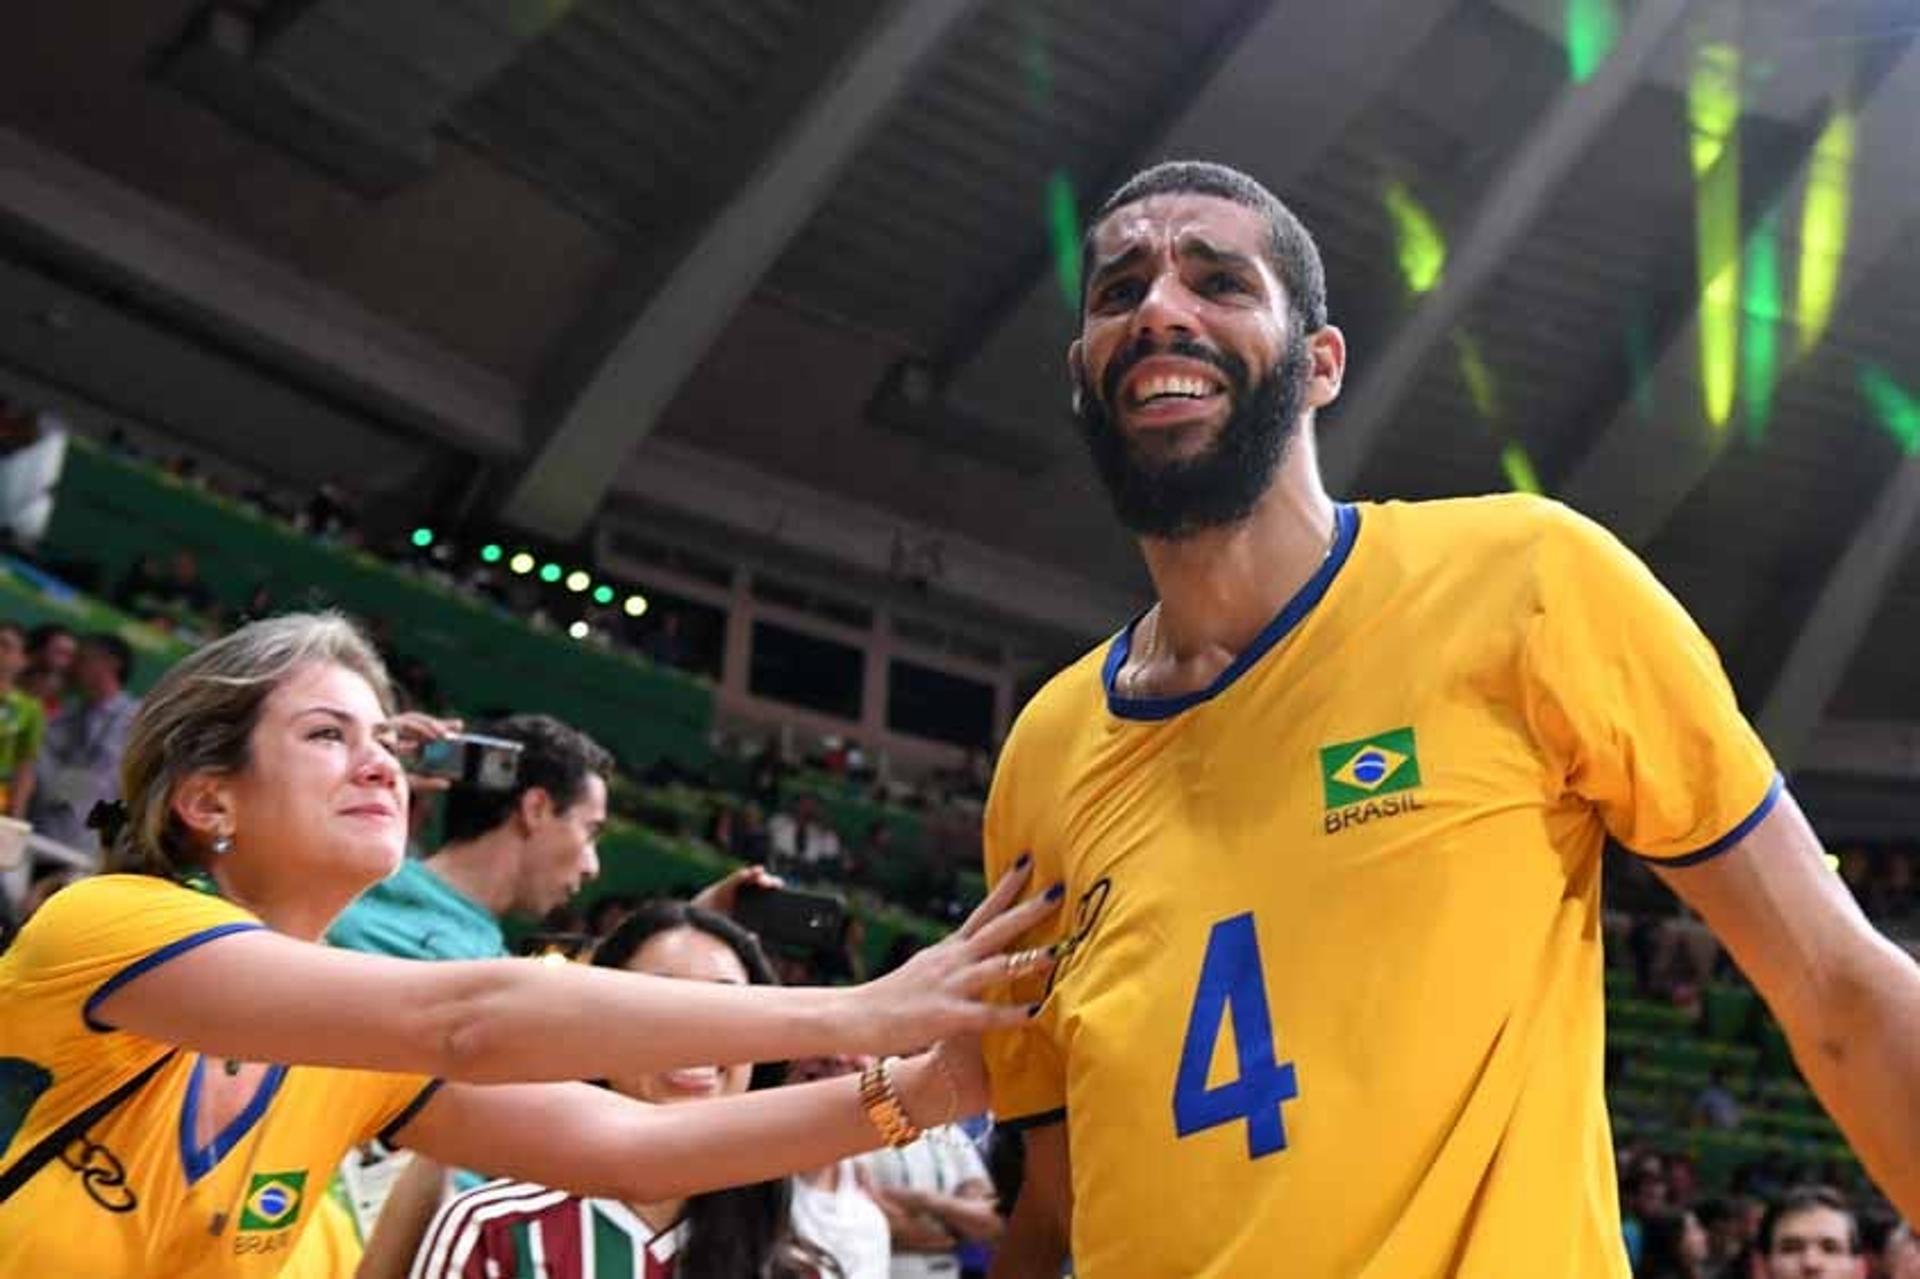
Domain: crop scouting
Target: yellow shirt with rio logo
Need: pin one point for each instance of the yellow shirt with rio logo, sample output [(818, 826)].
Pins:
[(139, 1194), (1332, 1002)]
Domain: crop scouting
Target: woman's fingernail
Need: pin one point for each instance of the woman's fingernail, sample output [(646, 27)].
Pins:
[(1022, 863), (1055, 893)]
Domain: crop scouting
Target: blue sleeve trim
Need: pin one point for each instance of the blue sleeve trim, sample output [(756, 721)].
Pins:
[(147, 963), (1045, 1119), (1729, 839), (390, 1135)]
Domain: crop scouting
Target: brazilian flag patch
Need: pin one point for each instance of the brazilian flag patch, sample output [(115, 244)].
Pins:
[(273, 1200), (1369, 768)]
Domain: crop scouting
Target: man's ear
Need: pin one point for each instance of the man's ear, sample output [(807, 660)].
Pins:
[(535, 808), (204, 806), (1326, 365)]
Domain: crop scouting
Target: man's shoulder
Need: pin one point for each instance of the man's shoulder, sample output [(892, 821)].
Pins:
[(1491, 518), (1061, 709), (1514, 537), (415, 914)]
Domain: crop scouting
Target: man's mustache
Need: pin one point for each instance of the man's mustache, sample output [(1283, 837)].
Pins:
[(1231, 367)]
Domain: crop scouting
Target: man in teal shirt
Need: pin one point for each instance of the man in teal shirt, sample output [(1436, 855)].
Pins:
[(519, 851)]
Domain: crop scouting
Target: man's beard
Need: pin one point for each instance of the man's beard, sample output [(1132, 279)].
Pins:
[(1220, 485)]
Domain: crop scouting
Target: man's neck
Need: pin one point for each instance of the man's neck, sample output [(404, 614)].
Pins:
[(486, 869), (1220, 588)]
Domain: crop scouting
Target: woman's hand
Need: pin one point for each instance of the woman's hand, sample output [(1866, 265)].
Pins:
[(936, 994), (723, 895), (943, 1086)]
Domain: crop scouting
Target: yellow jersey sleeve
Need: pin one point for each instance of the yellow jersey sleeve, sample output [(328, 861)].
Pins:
[(1631, 702), (1026, 1075), (92, 938)]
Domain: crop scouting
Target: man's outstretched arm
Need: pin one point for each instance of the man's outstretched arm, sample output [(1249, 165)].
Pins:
[(1848, 999), (1038, 1233)]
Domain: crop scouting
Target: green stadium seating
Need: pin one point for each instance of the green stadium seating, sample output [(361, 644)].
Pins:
[(112, 512)]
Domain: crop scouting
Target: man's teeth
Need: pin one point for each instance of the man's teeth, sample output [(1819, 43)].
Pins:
[(1155, 387)]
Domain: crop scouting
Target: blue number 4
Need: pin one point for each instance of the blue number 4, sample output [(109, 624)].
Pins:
[(1231, 985)]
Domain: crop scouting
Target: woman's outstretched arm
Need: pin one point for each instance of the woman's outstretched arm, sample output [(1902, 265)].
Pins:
[(258, 996)]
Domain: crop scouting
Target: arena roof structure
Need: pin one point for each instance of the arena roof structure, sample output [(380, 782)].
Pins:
[(803, 274)]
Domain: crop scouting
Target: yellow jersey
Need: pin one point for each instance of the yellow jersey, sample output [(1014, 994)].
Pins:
[(1331, 1003), (138, 1195)]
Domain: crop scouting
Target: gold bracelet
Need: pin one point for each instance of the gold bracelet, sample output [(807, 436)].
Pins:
[(881, 1100)]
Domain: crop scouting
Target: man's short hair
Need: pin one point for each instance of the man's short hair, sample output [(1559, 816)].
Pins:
[(114, 648), (1291, 252), (1805, 1199), (557, 758)]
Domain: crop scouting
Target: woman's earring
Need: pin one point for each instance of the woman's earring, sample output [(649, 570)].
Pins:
[(222, 844)]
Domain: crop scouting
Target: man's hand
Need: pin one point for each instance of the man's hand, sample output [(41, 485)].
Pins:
[(413, 729)]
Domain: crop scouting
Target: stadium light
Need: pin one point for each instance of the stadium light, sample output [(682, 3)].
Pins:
[(423, 537), (1593, 28), (1713, 114), (1418, 243), (1895, 408), (578, 581), (549, 573), (578, 630), (1824, 221), (636, 605), (603, 594), (491, 553), (521, 563)]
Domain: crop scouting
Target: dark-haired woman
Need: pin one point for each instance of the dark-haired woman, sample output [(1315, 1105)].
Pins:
[(494, 1230), (1673, 1245)]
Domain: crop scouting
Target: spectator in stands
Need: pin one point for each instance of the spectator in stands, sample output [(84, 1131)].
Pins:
[(935, 1195), (23, 723), (875, 862), (831, 1204), (183, 590), (79, 762), (329, 513), (1673, 1245), (1876, 1232), (664, 643), (187, 1008), (769, 775), (1644, 1195), (725, 1234), (138, 591), (1903, 1253), (1811, 1233), (51, 649), (1716, 1106), (804, 843), (519, 851), (1730, 1224)]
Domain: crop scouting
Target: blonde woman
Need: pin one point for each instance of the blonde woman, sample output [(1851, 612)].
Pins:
[(182, 1067)]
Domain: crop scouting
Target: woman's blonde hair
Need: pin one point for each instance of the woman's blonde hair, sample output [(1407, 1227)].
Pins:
[(200, 717)]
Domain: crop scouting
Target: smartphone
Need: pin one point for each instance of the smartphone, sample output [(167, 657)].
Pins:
[(471, 759), (793, 921)]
